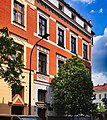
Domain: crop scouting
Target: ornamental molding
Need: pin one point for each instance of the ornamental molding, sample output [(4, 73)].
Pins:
[(43, 78)]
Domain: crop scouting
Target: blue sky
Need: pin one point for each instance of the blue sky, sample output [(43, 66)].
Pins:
[(96, 11)]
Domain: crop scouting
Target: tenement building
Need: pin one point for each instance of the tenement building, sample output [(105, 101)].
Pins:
[(70, 34)]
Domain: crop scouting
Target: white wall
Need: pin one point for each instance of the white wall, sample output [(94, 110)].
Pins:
[(79, 21), (67, 11), (97, 100), (55, 2)]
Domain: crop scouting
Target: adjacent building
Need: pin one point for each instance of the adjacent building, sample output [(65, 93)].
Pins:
[(70, 34), (100, 93)]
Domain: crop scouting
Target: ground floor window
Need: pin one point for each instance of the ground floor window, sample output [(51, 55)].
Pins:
[(18, 110)]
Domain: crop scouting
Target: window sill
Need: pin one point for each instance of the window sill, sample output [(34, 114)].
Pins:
[(85, 59), (19, 24), (61, 46), (42, 77), (73, 52), (42, 73)]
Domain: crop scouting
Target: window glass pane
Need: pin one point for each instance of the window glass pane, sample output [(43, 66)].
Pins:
[(84, 51), (60, 63), (73, 44), (18, 12), (41, 95), (99, 96), (14, 15), (20, 8), (15, 5), (42, 63), (60, 37), (20, 18), (42, 26)]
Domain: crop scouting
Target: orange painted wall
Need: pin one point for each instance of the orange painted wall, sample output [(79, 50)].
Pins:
[(5, 20)]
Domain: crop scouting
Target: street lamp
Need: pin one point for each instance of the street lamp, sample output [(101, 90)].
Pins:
[(43, 37)]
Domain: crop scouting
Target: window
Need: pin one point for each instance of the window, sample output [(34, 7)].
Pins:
[(85, 26), (73, 16), (18, 53), (41, 95), (18, 13), (85, 51), (73, 44), (99, 96), (61, 7), (18, 91), (60, 37), (105, 96), (60, 63), (42, 26), (42, 63)]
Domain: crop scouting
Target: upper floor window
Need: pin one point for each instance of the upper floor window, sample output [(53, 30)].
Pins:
[(61, 7), (99, 96), (85, 26), (42, 26), (60, 37), (60, 63), (42, 63), (73, 44), (85, 51), (105, 95), (73, 16), (18, 13), (41, 95)]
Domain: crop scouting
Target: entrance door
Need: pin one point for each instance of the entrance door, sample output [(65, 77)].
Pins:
[(18, 110), (41, 113)]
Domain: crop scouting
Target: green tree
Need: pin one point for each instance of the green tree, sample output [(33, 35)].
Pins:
[(10, 59), (104, 100), (73, 89), (101, 109)]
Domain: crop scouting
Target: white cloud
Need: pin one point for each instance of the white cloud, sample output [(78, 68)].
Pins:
[(99, 59), (99, 78), (101, 10), (92, 11), (97, 38), (85, 1)]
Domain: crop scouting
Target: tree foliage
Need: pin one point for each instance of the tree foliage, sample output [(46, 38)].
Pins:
[(104, 100), (101, 109), (73, 89), (10, 59)]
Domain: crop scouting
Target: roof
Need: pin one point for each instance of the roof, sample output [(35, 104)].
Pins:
[(72, 9), (100, 87)]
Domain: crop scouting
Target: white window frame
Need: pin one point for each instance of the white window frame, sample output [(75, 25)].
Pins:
[(61, 58), (40, 13), (84, 42), (46, 52), (75, 36), (64, 29), (25, 14)]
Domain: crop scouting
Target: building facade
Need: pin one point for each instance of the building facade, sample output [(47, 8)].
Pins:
[(70, 34), (100, 93)]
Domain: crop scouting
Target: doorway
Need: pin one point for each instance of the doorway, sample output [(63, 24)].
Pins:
[(41, 113)]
